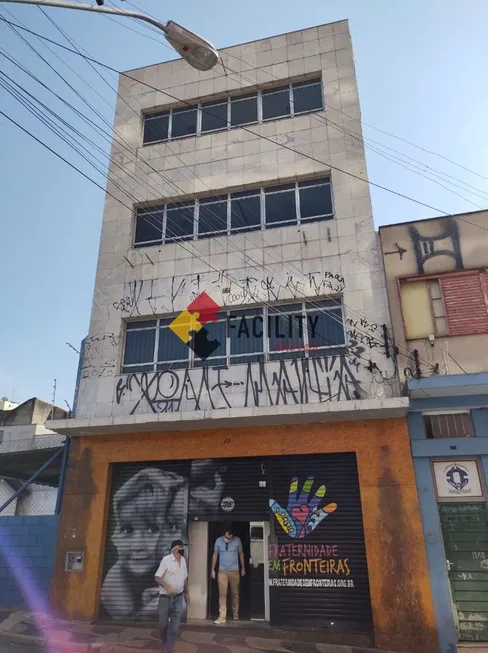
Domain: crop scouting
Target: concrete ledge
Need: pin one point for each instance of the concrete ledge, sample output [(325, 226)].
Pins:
[(332, 411)]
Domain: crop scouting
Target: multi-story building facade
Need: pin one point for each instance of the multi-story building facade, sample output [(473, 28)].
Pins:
[(240, 347), (438, 292)]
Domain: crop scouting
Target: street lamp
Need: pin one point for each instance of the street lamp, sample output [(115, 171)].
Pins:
[(194, 49)]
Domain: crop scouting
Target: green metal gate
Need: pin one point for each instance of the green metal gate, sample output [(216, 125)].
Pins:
[(465, 531)]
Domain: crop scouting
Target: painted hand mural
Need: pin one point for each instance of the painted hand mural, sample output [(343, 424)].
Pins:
[(303, 514)]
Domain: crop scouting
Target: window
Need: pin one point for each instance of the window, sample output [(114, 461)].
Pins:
[(451, 304), (243, 110), (315, 200), (276, 103), (245, 211), (261, 333), (156, 127), (140, 341), (228, 213), (179, 221), (183, 122), (280, 205), (214, 116), (149, 226), (449, 425), (270, 104), (305, 330), (437, 307), (172, 353), (307, 96), (216, 331), (212, 216), (246, 336)]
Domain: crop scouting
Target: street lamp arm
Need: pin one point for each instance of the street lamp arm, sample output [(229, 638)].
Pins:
[(93, 8), (194, 49)]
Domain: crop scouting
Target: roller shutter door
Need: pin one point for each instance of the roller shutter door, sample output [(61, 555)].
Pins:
[(318, 575), (465, 533), (233, 489), (148, 510)]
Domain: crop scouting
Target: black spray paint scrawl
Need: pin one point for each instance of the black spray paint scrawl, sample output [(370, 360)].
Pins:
[(425, 246)]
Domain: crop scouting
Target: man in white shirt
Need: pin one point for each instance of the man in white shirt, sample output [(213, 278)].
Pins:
[(172, 578)]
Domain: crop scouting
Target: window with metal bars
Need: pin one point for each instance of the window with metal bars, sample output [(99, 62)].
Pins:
[(250, 335), (448, 425), (291, 99), (227, 213)]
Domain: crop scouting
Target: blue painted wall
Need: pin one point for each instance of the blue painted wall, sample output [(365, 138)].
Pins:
[(436, 556), (28, 543)]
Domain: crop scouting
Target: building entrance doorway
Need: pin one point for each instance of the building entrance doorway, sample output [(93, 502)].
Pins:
[(253, 586)]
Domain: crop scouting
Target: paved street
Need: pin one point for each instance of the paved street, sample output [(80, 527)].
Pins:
[(9, 647)]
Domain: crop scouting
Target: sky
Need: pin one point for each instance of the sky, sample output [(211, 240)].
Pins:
[(421, 71)]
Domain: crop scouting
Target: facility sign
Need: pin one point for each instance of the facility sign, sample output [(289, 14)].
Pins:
[(459, 479)]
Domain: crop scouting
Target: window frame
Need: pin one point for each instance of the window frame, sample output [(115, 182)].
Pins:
[(447, 413), (267, 356), (424, 279), (261, 225), (436, 277), (202, 107), (432, 299)]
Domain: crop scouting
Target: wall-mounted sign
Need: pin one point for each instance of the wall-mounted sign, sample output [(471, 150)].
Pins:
[(457, 479), (227, 504)]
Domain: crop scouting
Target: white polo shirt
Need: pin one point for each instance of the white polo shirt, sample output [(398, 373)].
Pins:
[(172, 573)]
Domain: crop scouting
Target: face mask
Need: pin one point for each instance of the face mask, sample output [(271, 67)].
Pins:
[(181, 552)]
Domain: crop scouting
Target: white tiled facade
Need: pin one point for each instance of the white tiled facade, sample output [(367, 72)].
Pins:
[(162, 280)]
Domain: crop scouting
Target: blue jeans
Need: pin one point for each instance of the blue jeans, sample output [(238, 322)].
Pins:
[(169, 610)]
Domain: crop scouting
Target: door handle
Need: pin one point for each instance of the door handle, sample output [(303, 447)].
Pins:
[(449, 565)]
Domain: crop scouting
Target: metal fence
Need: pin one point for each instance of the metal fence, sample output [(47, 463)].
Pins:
[(31, 475)]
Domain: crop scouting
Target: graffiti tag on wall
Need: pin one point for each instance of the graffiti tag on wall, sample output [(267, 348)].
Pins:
[(446, 243), (167, 295), (298, 381), (100, 355)]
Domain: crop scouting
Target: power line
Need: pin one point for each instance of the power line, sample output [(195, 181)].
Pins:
[(244, 259), (365, 142), (371, 366), (228, 54), (89, 58), (270, 140), (300, 273)]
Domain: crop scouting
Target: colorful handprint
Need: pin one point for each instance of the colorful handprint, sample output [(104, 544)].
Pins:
[(302, 515)]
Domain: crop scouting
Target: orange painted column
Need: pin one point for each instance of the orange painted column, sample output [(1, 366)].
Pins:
[(401, 600)]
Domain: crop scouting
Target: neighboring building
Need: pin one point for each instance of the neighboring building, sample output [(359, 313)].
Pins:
[(438, 291), (25, 445), (5, 404), (28, 524), (240, 350), (437, 283)]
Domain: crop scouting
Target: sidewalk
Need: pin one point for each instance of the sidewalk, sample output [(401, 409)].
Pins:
[(77, 637)]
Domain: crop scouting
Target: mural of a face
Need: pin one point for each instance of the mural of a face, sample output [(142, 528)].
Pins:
[(207, 486), (147, 519)]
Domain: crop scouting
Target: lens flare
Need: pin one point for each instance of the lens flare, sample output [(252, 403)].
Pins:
[(55, 640)]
